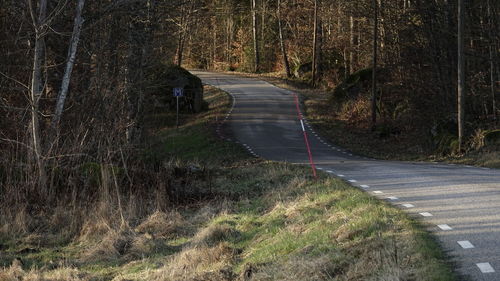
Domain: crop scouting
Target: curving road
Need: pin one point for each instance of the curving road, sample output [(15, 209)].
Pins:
[(461, 204)]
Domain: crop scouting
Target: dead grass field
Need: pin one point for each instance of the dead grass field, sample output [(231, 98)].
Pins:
[(260, 220)]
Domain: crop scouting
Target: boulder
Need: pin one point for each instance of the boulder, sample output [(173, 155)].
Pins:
[(164, 78), (492, 138)]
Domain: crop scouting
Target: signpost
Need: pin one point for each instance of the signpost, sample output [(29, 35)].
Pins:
[(178, 92)]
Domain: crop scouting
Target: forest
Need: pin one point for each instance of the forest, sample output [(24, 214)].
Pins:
[(334, 45), (66, 57), (80, 80)]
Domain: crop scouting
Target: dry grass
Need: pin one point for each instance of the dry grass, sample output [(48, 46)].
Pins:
[(196, 262), (161, 224), (317, 268), (16, 273), (260, 221)]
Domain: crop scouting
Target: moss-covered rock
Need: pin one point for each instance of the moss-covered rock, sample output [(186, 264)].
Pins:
[(302, 69), (492, 138), (163, 78), (351, 86)]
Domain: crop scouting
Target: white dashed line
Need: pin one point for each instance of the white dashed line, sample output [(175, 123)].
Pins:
[(392, 198), (364, 186), (328, 171), (426, 214), (444, 227), (352, 180), (485, 267), (465, 244), (408, 205), (319, 168), (341, 176), (378, 192)]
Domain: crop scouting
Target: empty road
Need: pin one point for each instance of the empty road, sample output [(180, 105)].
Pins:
[(461, 204)]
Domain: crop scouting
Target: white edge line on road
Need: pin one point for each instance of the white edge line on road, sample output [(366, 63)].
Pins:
[(340, 175), (378, 192), (408, 205), (485, 267), (465, 244), (425, 214), (364, 186), (444, 227), (392, 198), (352, 180), (329, 171), (319, 168)]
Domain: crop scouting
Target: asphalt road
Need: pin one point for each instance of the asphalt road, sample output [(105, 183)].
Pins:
[(461, 204)]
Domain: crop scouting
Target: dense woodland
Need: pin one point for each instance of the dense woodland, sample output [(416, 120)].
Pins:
[(416, 49), (77, 77)]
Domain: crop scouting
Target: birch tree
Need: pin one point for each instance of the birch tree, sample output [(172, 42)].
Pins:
[(38, 16), (254, 34), (70, 62)]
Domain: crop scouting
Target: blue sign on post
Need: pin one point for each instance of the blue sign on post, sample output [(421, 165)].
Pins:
[(178, 92)]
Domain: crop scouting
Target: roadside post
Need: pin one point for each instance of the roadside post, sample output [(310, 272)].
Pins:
[(178, 92)]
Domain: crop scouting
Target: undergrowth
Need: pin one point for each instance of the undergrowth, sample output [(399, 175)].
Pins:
[(221, 215)]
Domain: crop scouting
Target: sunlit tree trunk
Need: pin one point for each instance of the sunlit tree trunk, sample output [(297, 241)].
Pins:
[(73, 45), (460, 74), (491, 49), (282, 43), (315, 39), (254, 33), (351, 45), (374, 66)]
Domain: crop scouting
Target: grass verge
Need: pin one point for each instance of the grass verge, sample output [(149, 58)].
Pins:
[(263, 221)]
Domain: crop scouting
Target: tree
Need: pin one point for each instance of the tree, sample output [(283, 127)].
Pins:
[(254, 33), (73, 45), (315, 41), (40, 26), (461, 74), (374, 65), (282, 43)]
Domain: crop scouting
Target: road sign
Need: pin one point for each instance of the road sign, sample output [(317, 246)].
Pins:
[(178, 92)]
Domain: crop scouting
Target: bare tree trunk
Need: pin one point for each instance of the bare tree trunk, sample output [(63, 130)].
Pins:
[(351, 45), (75, 38), (282, 43), (214, 42), (492, 60), (229, 28), (180, 42), (315, 38), (37, 89), (255, 44), (180, 47), (374, 67), (461, 74)]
